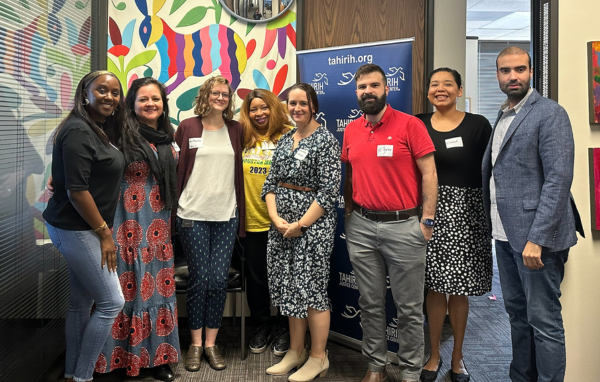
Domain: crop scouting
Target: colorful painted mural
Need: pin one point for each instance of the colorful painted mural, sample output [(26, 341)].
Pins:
[(184, 42), (44, 51), (594, 53)]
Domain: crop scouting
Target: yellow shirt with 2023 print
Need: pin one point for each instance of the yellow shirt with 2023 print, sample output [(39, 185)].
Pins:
[(257, 162)]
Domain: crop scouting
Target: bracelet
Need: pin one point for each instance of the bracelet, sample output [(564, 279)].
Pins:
[(104, 225)]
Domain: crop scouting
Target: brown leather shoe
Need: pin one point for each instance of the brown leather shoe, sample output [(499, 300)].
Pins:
[(215, 359), (193, 357), (373, 376)]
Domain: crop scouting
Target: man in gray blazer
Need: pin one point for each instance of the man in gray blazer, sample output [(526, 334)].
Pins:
[(527, 175)]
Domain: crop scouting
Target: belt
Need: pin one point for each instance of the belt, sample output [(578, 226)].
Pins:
[(388, 216), (297, 188)]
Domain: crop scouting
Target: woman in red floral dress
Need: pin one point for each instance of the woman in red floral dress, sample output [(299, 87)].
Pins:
[(145, 333)]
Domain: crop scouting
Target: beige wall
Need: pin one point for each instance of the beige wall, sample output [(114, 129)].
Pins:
[(578, 24), (449, 35)]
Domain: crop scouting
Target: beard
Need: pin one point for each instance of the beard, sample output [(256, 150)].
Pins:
[(372, 108), (515, 94)]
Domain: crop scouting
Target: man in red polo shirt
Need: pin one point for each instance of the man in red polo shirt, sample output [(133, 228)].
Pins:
[(390, 194)]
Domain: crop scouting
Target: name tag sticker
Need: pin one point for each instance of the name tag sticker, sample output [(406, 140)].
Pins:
[(385, 150), (176, 147), (196, 143), (454, 142), (301, 154)]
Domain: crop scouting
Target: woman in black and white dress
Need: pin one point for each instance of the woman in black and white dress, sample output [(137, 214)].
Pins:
[(301, 191), (459, 254)]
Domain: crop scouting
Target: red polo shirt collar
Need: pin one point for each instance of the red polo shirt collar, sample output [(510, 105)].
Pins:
[(386, 116)]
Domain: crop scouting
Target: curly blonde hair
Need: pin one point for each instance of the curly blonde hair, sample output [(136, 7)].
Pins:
[(279, 122), (202, 107)]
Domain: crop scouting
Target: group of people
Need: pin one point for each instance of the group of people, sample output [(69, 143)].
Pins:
[(430, 222), (121, 176), (418, 207)]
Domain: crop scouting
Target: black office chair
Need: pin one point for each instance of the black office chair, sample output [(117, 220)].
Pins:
[(236, 282)]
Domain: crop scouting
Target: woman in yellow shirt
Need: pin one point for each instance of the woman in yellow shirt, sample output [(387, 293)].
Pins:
[(265, 120)]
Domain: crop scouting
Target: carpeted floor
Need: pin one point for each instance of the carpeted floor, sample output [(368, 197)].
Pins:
[(486, 352), (487, 349)]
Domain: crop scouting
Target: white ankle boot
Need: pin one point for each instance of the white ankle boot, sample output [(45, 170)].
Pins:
[(290, 361)]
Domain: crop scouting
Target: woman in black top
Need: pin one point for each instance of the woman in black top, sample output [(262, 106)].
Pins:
[(87, 168), (459, 254)]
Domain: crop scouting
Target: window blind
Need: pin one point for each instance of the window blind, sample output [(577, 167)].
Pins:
[(44, 51)]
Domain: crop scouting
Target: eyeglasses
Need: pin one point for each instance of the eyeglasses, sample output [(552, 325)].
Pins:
[(216, 94)]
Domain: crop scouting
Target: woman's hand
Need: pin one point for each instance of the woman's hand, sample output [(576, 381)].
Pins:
[(107, 245), (49, 187), (281, 225), (293, 230)]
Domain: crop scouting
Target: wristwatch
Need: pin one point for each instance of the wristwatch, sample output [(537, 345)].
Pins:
[(428, 222), (303, 228)]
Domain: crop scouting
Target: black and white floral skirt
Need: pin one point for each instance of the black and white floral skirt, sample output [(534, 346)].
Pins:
[(459, 254), (298, 268)]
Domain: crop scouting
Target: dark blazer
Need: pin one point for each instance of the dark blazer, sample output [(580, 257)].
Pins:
[(192, 128), (533, 175)]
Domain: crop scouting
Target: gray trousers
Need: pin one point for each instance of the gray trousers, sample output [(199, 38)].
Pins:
[(400, 247)]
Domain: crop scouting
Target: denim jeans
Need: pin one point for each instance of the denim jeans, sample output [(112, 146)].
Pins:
[(397, 247), (89, 283), (532, 301)]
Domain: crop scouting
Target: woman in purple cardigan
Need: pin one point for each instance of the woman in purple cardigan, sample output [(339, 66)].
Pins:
[(211, 211)]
